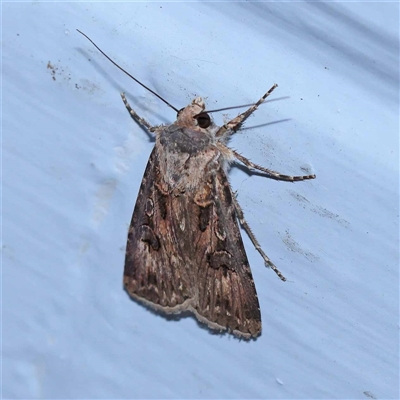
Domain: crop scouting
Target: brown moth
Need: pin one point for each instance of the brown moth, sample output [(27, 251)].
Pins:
[(184, 249)]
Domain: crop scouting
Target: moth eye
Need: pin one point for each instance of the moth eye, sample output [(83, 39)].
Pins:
[(177, 114), (203, 120)]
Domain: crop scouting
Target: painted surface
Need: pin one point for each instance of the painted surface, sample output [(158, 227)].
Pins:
[(73, 160)]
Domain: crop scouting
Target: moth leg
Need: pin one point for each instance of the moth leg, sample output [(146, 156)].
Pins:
[(136, 117), (237, 122), (272, 174), (246, 227)]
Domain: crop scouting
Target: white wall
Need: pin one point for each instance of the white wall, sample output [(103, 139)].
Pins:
[(73, 161)]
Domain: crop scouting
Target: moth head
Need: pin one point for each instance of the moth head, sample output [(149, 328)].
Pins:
[(192, 116)]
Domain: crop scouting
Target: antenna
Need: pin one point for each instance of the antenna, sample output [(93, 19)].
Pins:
[(127, 73)]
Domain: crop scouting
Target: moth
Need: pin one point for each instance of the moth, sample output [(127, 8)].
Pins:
[(184, 250)]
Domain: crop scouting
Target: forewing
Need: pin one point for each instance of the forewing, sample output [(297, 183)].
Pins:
[(226, 294), (154, 272)]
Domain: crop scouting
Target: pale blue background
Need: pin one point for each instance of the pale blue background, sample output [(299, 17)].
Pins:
[(72, 165)]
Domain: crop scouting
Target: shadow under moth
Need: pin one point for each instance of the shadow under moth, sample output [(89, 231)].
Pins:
[(184, 250)]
